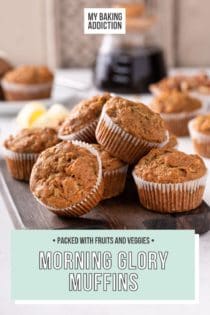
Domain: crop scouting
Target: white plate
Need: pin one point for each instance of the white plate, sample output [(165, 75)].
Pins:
[(60, 94)]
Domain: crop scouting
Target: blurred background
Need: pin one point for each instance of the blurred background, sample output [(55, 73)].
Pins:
[(51, 32)]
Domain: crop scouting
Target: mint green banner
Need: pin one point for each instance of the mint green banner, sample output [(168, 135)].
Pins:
[(103, 265)]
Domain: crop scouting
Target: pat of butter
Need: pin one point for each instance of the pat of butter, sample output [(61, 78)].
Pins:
[(29, 114), (56, 114)]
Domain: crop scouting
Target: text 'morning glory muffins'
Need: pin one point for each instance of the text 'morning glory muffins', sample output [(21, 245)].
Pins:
[(67, 178), (114, 173), (83, 118), (128, 130), (199, 129), (27, 83), (176, 109), (22, 150), (170, 181)]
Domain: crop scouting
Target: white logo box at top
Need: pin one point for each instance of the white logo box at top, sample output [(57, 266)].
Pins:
[(104, 21)]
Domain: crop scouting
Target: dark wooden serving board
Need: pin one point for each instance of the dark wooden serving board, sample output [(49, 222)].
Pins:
[(123, 212)]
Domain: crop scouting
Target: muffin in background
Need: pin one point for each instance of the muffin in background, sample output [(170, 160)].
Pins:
[(83, 119), (197, 85), (129, 130), (200, 133), (27, 83), (22, 150), (176, 109), (5, 66), (67, 178), (114, 173), (170, 181)]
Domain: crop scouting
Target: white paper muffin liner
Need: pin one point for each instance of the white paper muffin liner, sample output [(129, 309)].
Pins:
[(29, 88), (120, 143), (91, 200), (20, 164), (171, 197), (114, 182), (16, 91), (86, 134), (177, 123), (182, 115)]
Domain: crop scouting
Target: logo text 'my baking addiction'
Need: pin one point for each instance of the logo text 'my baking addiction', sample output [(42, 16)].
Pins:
[(104, 21)]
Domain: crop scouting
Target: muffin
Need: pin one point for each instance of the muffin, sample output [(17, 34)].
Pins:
[(196, 85), (22, 150), (200, 133), (170, 181), (114, 173), (67, 178), (128, 130), (172, 83), (83, 119), (5, 66), (176, 109), (27, 83)]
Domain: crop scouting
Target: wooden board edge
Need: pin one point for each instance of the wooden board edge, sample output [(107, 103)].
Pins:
[(11, 208)]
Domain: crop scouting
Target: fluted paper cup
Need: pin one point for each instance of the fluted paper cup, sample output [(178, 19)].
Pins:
[(177, 123), (23, 92), (86, 134), (170, 198), (201, 141), (114, 182), (20, 164), (120, 143), (91, 200)]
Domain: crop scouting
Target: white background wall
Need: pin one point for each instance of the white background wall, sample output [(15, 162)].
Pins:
[(23, 30), (27, 31)]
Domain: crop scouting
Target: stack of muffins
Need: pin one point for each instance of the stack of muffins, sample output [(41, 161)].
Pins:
[(87, 161)]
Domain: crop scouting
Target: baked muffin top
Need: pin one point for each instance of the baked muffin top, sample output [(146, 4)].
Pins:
[(136, 119), (172, 142), (169, 166), (64, 175), (199, 82), (5, 66), (174, 102), (84, 113), (32, 140), (29, 74), (202, 124), (109, 162)]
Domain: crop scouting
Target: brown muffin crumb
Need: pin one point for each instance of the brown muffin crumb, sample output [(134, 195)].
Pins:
[(185, 83), (136, 119), (109, 162), (29, 74), (170, 166), (174, 102), (64, 175), (32, 140), (83, 114)]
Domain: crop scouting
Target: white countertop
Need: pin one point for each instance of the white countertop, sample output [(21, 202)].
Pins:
[(7, 307)]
